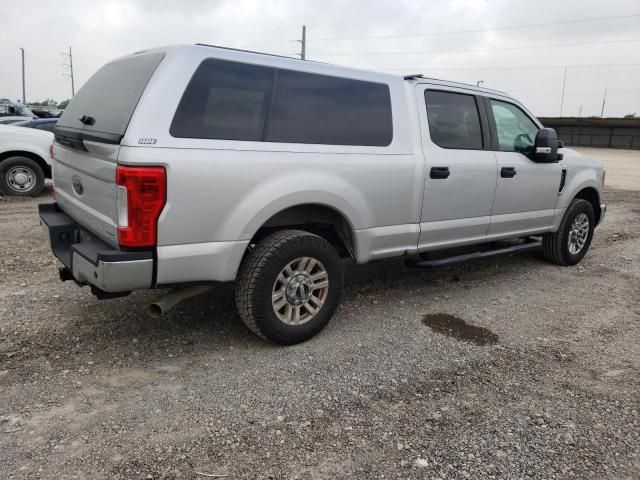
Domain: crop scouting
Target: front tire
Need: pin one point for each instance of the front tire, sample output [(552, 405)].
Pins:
[(289, 286), (570, 243), (21, 177)]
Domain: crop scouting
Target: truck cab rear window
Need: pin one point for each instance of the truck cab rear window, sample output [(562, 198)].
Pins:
[(234, 101)]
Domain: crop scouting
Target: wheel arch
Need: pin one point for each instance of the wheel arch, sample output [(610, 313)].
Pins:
[(46, 168), (323, 220), (591, 195)]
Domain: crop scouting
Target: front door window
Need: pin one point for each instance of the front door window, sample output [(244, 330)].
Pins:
[(516, 131)]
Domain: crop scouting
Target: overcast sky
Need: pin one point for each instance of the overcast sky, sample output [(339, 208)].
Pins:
[(461, 40)]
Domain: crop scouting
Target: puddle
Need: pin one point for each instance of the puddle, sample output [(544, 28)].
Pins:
[(459, 329)]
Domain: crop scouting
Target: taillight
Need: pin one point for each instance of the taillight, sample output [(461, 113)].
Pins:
[(140, 196), (51, 151)]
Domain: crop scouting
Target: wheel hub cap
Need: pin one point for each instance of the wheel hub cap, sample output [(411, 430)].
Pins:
[(578, 234), (20, 179), (300, 290)]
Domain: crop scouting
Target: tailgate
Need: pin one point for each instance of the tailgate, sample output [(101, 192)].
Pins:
[(85, 186)]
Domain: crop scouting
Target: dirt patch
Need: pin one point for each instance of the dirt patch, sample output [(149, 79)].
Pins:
[(459, 329)]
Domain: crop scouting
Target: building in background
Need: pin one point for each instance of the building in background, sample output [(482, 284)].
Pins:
[(596, 132)]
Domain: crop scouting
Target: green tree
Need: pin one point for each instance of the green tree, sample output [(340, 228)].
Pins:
[(49, 102), (631, 115), (63, 104)]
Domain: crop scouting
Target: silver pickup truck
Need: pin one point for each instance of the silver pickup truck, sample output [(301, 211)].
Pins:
[(185, 166)]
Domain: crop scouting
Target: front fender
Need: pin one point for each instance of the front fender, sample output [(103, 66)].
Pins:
[(267, 200), (578, 178), (584, 178)]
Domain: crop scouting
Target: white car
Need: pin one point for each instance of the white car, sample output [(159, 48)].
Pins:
[(25, 160)]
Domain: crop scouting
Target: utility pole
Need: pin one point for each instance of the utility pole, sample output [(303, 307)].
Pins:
[(604, 100), (564, 83), (303, 43), (24, 95), (580, 112), (70, 74)]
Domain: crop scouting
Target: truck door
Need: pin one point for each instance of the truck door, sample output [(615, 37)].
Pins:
[(526, 191), (461, 170)]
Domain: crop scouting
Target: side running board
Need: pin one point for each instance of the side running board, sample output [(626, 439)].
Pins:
[(529, 246)]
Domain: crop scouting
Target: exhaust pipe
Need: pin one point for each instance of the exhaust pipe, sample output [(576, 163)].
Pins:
[(165, 303)]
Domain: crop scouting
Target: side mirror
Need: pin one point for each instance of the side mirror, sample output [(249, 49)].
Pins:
[(545, 148)]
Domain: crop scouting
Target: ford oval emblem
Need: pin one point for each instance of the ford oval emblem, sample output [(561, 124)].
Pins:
[(76, 183)]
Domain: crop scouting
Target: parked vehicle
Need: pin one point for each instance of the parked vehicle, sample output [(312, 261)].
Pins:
[(47, 124), (189, 165), (11, 112), (25, 160), (47, 113)]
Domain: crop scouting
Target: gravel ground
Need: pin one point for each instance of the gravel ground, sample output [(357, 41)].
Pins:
[(507, 368)]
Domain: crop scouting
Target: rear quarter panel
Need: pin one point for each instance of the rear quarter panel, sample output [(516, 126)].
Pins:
[(220, 191)]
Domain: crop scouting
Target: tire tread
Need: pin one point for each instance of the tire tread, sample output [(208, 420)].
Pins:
[(249, 273), (552, 243)]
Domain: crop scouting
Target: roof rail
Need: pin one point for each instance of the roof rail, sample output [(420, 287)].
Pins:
[(475, 87), (245, 51)]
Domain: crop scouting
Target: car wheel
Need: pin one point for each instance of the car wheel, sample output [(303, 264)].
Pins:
[(570, 243), (289, 286), (21, 176)]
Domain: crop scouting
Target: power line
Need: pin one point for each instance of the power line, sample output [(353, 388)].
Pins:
[(549, 67), (40, 59), (577, 94), (272, 43), (551, 45), (512, 27)]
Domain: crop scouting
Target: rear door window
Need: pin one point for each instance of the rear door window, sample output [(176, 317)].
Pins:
[(454, 121), (110, 96), (226, 101)]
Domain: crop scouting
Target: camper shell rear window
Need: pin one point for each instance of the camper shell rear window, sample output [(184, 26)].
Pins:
[(109, 97)]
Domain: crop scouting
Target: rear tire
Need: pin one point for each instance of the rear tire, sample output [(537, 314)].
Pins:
[(289, 286), (570, 243), (21, 177)]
